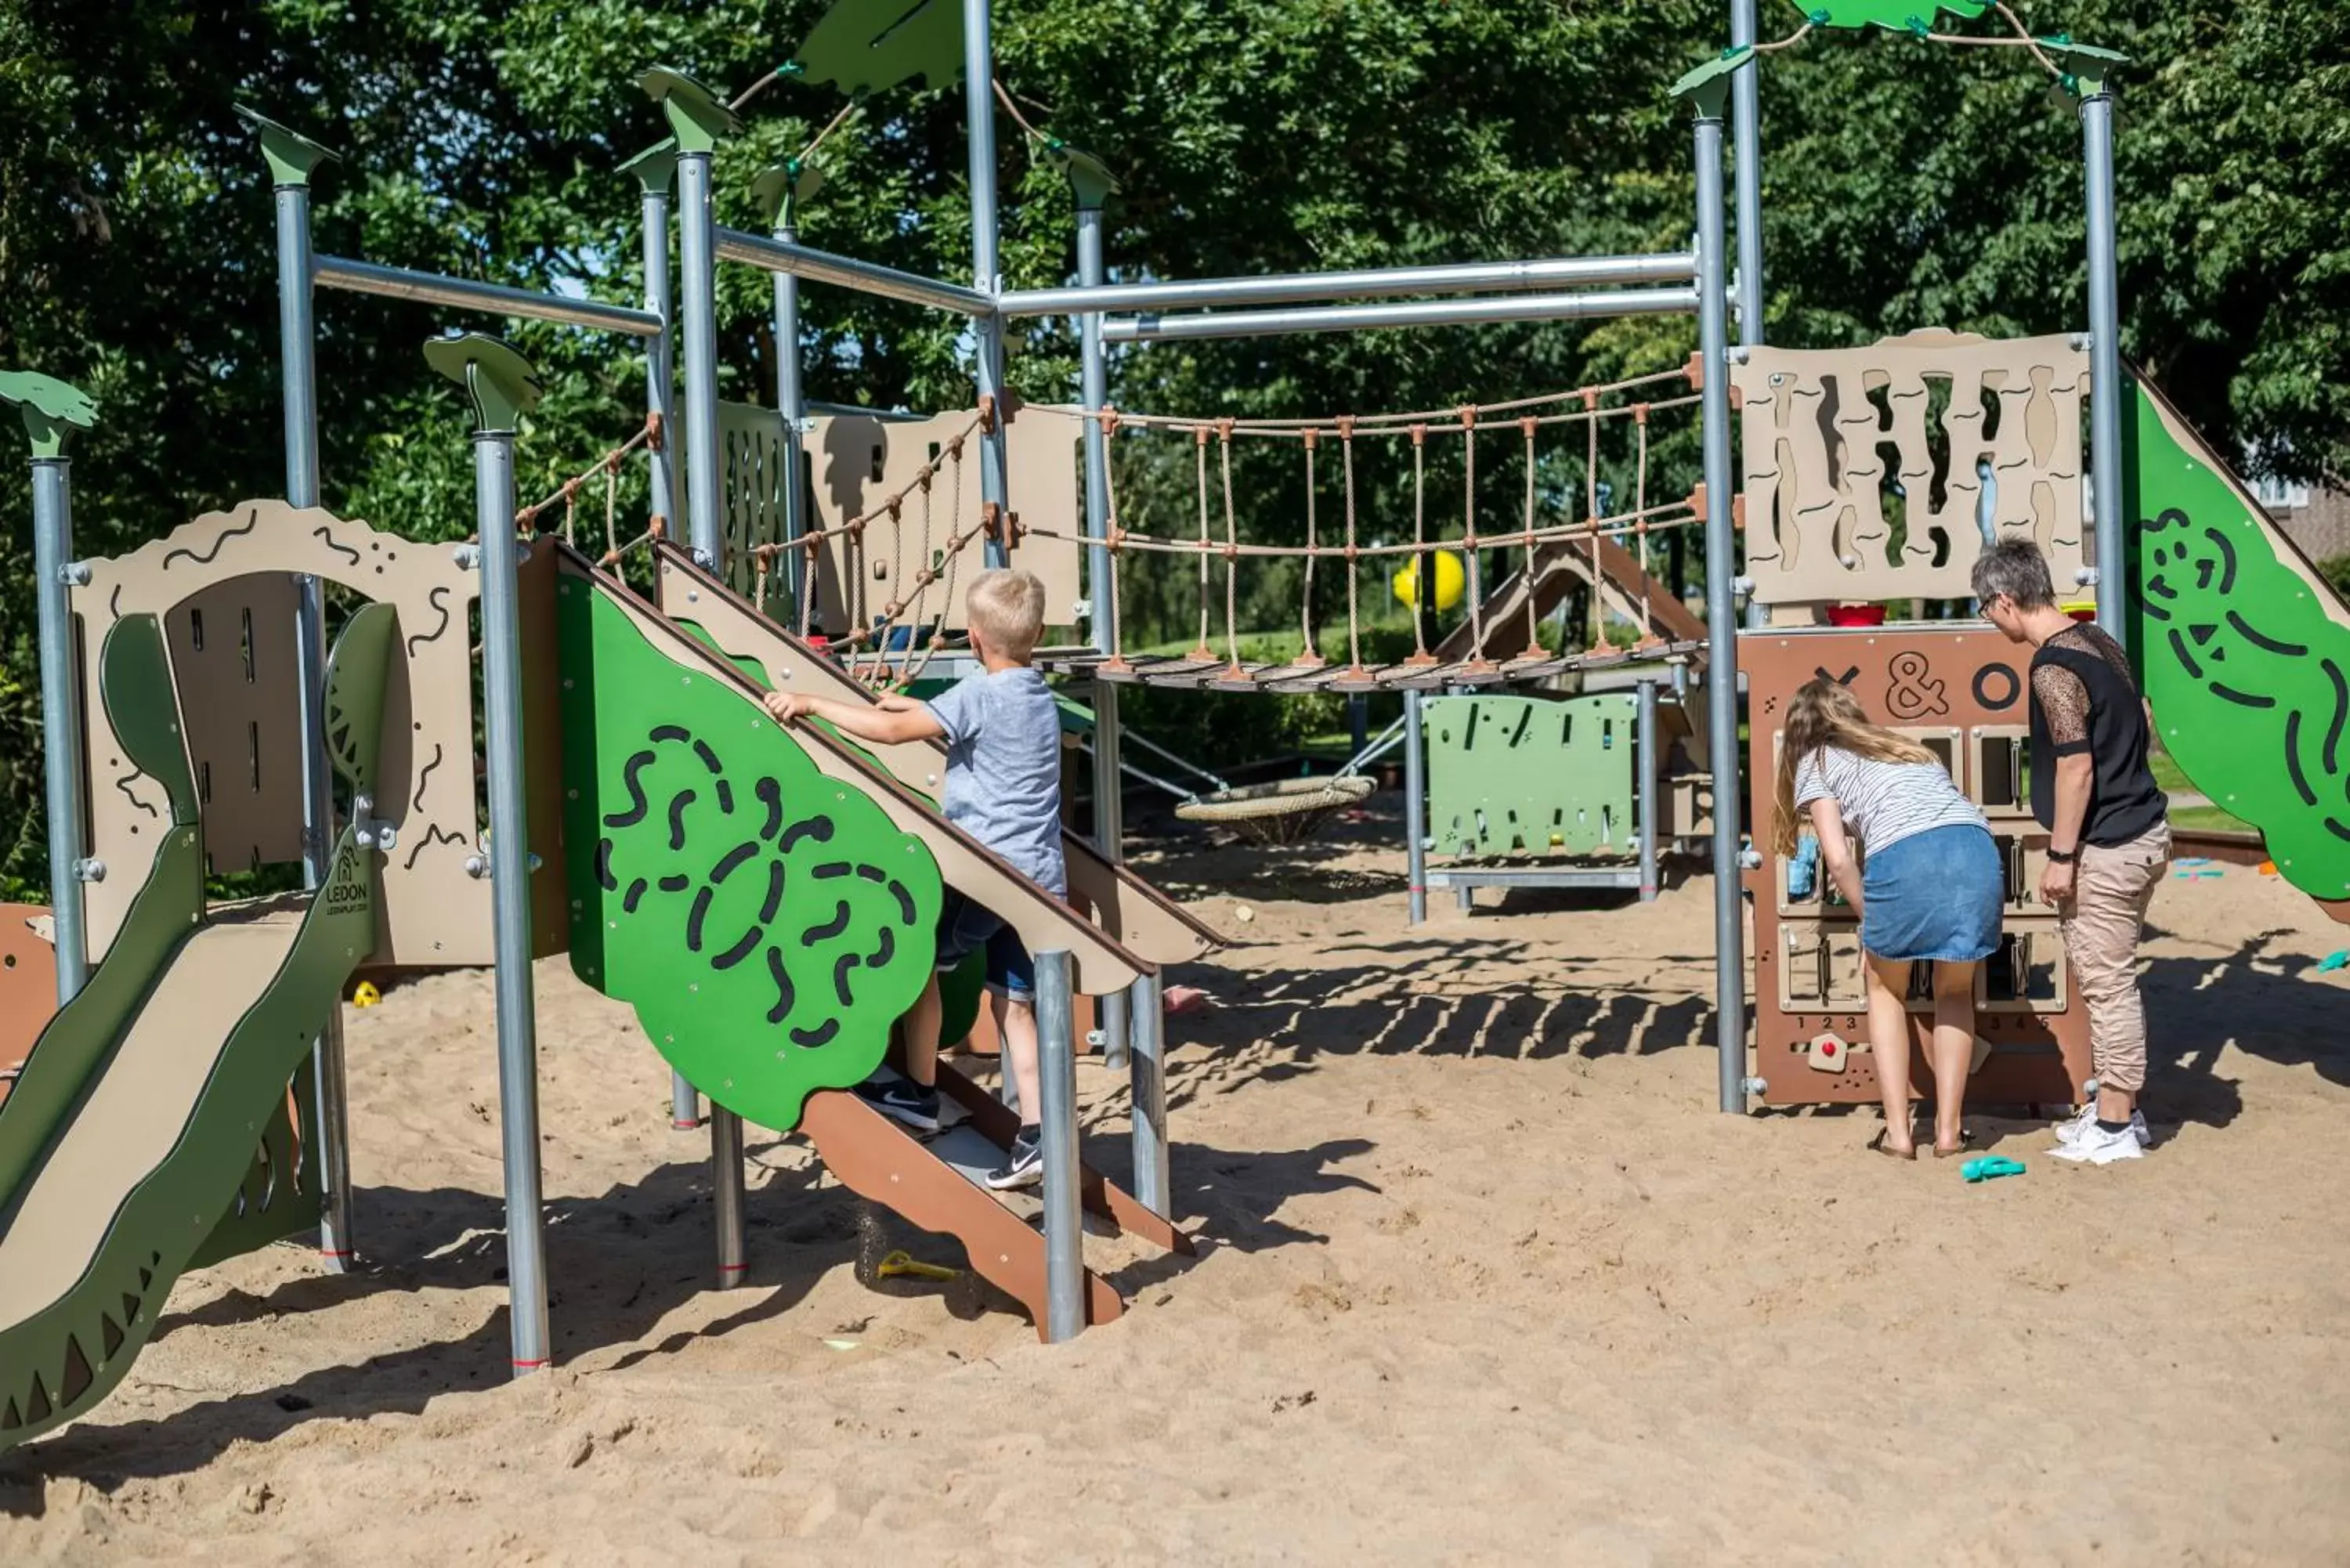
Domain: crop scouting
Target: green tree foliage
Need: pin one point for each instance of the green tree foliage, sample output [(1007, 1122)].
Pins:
[(1907, 184)]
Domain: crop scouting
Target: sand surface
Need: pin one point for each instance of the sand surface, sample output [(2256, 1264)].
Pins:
[(1483, 1278)]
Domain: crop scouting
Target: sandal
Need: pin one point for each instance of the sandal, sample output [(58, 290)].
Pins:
[(1966, 1141), (1878, 1146)]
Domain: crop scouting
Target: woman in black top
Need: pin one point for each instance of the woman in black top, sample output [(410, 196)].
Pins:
[(2108, 830)]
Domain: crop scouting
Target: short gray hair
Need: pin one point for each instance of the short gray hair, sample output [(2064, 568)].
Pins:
[(2014, 567)]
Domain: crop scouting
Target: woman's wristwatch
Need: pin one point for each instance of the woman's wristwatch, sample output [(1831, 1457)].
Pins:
[(2061, 857)]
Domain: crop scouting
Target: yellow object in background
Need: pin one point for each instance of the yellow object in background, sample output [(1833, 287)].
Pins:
[(366, 994), (1451, 580)]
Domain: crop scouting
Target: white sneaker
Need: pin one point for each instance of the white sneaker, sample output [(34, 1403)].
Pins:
[(2098, 1147), (2068, 1133)]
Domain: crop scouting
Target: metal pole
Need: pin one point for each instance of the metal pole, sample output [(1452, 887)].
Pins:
[(298, 351), (1475, 311), (1370, 282), (700, 326), (791, 403), (660, 364), (979, 113), (1109, 826), (1415, 811), (1746, 117), (1721, 617), (699, 264), (1147, 1069), (2105, 363), (867, 278), (653, 170), (60, 735), (354, 277), (509, 869), (1065, 1263), (1650, 763)]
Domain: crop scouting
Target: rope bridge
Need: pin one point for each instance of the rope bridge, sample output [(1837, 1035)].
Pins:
[(1499, 647)]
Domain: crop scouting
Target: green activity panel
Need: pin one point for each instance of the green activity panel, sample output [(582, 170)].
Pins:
[(1530, 776), (2245, 657), (871, 46), (768, 923)]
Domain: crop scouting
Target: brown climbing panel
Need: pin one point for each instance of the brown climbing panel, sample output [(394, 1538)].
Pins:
[(433, 913), (1963, 695), (857, 460), (28, 984), (1142, 920), (874, 1157), (1826, 433)]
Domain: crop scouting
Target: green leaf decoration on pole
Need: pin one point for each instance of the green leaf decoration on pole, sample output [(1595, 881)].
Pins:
[(1708, 87), (697, 119), (871, 46), (2085, 66), (1895, 15), (50, 409), (769, 924), (1088, 176), (501, 383)]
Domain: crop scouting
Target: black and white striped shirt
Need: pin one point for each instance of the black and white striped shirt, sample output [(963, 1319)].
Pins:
[(1884, 802)]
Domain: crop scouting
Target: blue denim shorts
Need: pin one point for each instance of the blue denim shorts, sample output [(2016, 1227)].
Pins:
[(965, 928), (1937, 895)]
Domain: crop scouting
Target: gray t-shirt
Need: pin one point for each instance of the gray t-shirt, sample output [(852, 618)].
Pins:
[(1004, 769)]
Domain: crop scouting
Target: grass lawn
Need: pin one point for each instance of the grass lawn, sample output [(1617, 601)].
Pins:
[(2198, 818)]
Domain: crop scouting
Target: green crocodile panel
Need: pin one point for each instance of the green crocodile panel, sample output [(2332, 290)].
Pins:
[(2245, 654), (136, 683), (1530, 777), (768, 923), (63, 1360)]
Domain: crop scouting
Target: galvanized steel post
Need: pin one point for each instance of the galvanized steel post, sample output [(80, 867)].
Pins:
[(60, 735), (1414, 812), (502, 387), (987, 332), (1746, 136), (1147, 1069), (791, 403), (291, 158), (697, 120), (2105, 363), (1650, 763), (1065, 1263), (1721, 614)]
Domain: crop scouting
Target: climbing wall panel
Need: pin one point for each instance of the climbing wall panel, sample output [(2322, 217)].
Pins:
[(1527, 776), (1962, 695), (1879, 474)]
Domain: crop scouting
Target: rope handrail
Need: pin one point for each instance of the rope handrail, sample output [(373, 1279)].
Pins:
[(567, 495), (950, 450), (1617, 525)]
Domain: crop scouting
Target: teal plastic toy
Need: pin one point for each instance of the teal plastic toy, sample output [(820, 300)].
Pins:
[(1985, 1167)]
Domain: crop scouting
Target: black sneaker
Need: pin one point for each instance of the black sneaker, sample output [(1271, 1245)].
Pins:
[(1023, 1167), (903, 1100)]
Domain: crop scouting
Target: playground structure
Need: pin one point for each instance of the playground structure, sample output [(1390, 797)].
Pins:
[(740, 883)]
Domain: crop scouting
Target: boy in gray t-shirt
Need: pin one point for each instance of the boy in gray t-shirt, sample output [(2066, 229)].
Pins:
[(1003, 734)]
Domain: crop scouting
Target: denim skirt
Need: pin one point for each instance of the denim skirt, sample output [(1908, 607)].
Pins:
[(1935, 895)]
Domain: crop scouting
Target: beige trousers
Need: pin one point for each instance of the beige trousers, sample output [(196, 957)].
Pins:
[(2111, 890)]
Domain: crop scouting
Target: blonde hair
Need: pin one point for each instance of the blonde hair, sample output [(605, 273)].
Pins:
[(1006, 607), (1824, 714)]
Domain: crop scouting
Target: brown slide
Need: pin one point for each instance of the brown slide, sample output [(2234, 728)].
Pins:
[(1559, 566)]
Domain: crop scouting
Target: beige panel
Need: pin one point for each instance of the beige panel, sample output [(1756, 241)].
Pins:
[(858, 460), (1139, 918), (1814, 440), (232, 660), (1099, 963), (141, 1104), (433, 912)]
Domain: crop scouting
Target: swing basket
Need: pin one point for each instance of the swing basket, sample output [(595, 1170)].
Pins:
[(1288, 812)]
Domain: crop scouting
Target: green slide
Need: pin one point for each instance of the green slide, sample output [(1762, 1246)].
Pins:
[(129, 1150), (2244, 650)]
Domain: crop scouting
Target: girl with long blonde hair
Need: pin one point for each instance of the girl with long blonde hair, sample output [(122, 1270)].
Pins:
[(1931, 891)]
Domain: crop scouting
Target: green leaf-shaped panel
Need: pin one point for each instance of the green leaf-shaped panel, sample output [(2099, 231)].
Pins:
[(871, 46), (2245, 653), (1901, 16), (768, 923)]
